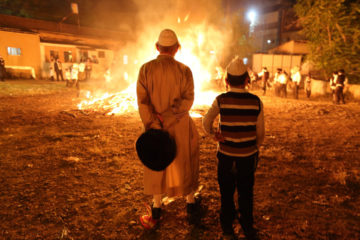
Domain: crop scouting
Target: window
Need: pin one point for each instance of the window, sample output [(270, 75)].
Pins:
[(54, 54), (68, 56), (83, 55), (14, 51), (101, 54)]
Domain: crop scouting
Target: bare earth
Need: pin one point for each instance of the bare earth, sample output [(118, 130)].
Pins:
[(70, 174)]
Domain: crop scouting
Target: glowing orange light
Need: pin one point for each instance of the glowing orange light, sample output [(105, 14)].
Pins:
[(197, 52)]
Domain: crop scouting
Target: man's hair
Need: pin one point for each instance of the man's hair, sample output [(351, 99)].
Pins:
[(341, 71), (168, 49), (335, 72), (237, 80)]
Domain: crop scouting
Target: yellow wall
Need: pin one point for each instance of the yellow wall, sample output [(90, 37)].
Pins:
[(60, 50), (30, 49)]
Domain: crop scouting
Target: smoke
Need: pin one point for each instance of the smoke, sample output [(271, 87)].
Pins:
[(202, 31)]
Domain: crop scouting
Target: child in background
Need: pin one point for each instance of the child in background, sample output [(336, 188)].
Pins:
[(308, 85), (74, 75), (240, 135), (67, 76)]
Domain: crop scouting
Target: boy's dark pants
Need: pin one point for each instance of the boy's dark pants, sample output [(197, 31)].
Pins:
[(236, 173)]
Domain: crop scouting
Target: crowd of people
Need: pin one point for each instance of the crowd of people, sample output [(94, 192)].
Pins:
[(282, 81), (73, 73)]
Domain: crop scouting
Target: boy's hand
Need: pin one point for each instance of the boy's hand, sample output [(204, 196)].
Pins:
[(218, 137), (160, 117)]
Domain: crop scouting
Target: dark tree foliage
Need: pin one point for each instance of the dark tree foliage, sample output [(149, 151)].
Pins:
[(52, 10), (332, 28)]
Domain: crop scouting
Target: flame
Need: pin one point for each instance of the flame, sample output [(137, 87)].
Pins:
[(112, 104), (187, 17), (198, 51)]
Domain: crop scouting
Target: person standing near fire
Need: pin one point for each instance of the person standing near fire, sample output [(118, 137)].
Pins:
[(277, 82), (283, 80), (307, 85), (58, 70), (340, 84), (88, 69), (333, 81), (240, 134), (75, 75), (264, 74), (165, 93), (68, 77), (82, 66), (296, 79), (2, 69), (51, 69)]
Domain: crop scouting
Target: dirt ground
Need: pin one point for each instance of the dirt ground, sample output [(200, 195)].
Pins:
[(70, 174)]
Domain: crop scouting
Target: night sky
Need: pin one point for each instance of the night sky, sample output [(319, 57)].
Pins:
[(119, 14), (93, 13)]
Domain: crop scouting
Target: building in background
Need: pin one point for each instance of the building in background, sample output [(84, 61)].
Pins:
[(27, 45), (272, 22), (276, 24)]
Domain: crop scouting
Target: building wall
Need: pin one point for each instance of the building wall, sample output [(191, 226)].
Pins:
[(28, 62), (274, 61), (101, 58)]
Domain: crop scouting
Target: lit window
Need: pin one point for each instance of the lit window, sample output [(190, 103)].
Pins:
[(125, 59), (14, 51), (101, 54), (68, 56), (245, 60)]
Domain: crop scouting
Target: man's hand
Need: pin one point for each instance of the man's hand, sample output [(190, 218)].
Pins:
[(218, 137)]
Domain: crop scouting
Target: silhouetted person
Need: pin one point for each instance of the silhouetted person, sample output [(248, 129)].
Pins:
[(340, 84), (333, 80), (307, 86), (88, 69), (240, 135), (165, 94), (2, 69), (58, 70), (264, 74), (296, 79)]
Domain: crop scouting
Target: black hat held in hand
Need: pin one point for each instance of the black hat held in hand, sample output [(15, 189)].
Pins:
[(156, 149)]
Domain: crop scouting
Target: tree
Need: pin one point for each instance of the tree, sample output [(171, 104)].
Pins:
[(51, 10), (332, 28), (241, 40)]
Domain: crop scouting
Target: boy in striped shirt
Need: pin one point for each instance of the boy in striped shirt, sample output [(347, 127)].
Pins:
[(241, 132)]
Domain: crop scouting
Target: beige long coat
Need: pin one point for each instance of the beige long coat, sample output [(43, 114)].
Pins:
[(165, 86)]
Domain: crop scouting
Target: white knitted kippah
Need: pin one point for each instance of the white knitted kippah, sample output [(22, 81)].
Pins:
[(167, 38), (236, 67)]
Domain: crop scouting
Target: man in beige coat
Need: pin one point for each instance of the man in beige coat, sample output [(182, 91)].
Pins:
[(165, 92)]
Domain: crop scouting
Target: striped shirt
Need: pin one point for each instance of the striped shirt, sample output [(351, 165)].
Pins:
[(241, 122)]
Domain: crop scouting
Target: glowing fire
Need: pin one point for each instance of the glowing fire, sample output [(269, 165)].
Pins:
[(196, 52)]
